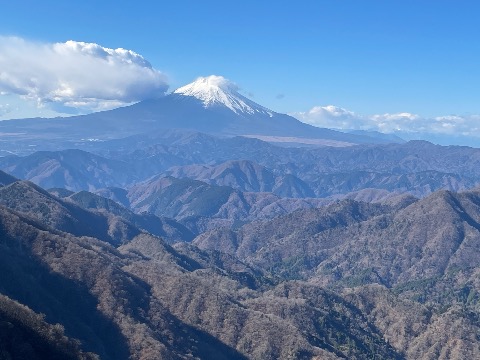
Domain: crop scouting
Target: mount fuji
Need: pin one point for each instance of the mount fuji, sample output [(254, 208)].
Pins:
[(216, 91), (210, 105)]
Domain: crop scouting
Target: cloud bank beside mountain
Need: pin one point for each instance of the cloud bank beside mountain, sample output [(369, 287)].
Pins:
[(76, 74), (406, 123)]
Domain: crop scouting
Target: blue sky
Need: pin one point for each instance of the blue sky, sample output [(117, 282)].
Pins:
[(367, 57)]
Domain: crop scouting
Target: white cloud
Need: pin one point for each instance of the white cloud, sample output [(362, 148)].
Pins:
[(76, 74), (338, 118), (219, 81), (329, 116)]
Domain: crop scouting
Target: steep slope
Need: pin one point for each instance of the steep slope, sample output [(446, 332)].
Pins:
[(6, 179), (244, 175), (416, 330), (419, 183), (264, 326), (25, 335), (116, 194), (60, 192), (201, 206), (178, 198), (425, 249), (70, 169), (288, 245), (56, 213), (428, 240), (87, 214), (169, 229), (411, 157)]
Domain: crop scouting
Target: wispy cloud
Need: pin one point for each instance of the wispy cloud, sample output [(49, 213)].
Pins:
[(76, 74), (339, 118)]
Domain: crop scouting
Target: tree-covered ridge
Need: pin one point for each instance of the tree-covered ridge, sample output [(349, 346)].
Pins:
[(352, 280), (25, 335)]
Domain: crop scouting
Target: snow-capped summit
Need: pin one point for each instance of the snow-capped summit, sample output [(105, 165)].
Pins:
[(217, 91)]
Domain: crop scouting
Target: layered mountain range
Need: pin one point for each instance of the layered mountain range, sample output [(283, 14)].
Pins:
[(202, 225), (251, 165), (316, 283)]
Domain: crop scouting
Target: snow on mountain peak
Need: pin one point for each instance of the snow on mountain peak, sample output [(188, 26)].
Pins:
[(216, 90)]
